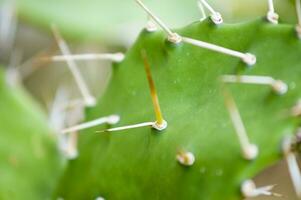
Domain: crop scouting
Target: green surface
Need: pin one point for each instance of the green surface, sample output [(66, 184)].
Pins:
[(115, 21), (141, 163), (29, 162), (102, 19)]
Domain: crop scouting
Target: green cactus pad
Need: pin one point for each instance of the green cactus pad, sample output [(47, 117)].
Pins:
[(29, 161), (141, 163)]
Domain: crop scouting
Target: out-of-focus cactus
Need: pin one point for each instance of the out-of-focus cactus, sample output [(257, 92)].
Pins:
[(201, 112), (29, 161), (104, 20)]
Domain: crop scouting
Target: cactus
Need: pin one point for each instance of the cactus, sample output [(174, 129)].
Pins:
[(192, 113), (198, 155), (29, 161)]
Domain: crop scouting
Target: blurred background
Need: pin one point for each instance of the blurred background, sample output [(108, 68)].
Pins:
[(104, 26)]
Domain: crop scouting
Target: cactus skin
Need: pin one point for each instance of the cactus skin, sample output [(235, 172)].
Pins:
[(29, 161), (141, 163)]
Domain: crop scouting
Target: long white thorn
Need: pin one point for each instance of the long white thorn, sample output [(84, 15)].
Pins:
[(248, 58), (113, 119), (202, 10), (216, 17), (250, 151), (292, 165), (249, 190), (277, 86), (134, 126), (298, 11), (172, 37), (115, 57), (88, 98), (272, 16)]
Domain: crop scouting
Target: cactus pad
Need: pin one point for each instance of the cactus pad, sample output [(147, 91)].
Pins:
[(141, 163), (29, 161)]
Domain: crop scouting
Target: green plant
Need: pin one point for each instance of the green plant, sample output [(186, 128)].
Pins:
[(29, 160), (86, 19), (198, 156), (201, 94)]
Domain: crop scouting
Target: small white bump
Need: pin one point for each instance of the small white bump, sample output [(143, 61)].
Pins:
[(249, 190), (217, 18), (251, 152), (185, 158), (174, 38), (113, 119), (90, 101), (249, 59), (273, 17), (100, 198), (280, 87), (160, 127), (71, 153), (118, 57), (151, 26)]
